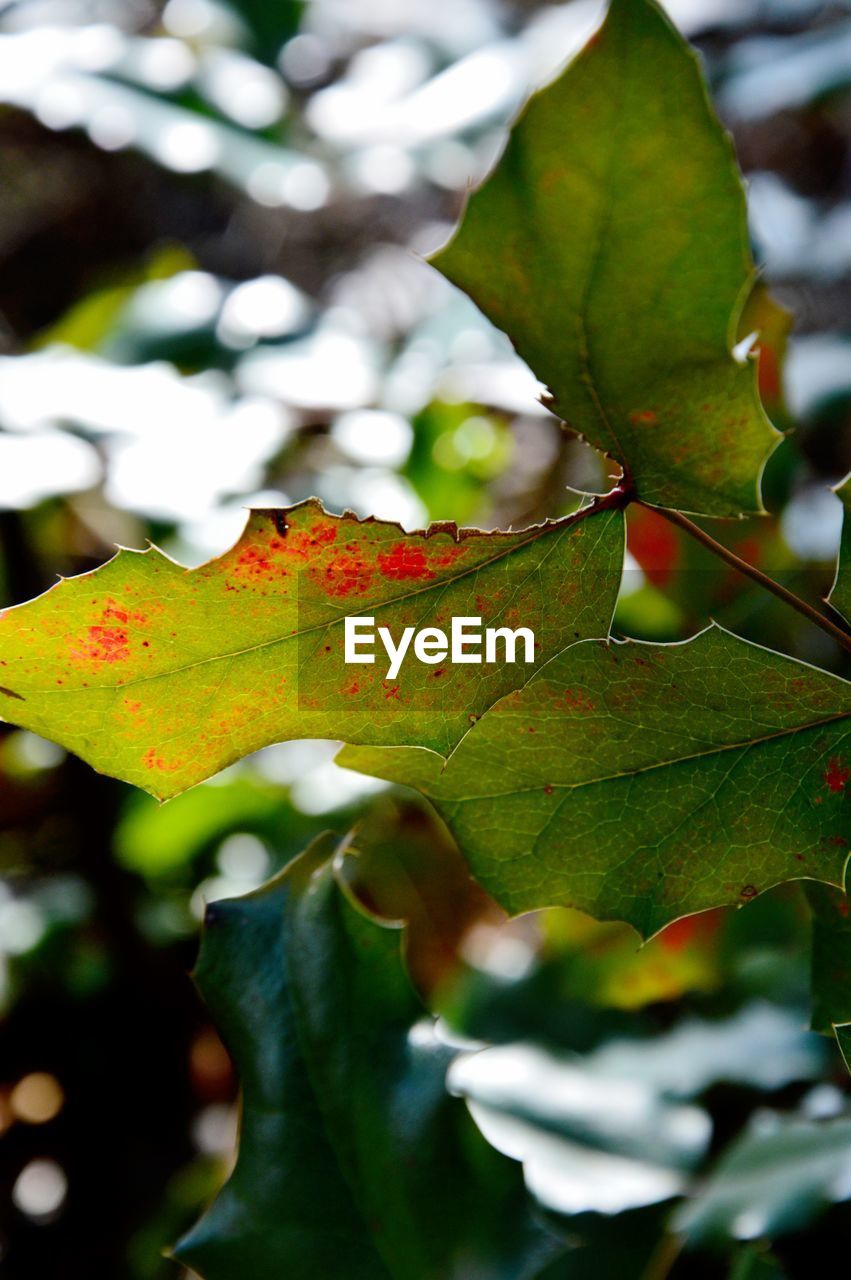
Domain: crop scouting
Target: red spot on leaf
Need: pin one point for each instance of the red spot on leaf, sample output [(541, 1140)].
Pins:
[(448, 557), (322, 535), (836, 775), (405, 563), (346, 574), (255, 562), (307, 544), (575, 700), (103, 644)]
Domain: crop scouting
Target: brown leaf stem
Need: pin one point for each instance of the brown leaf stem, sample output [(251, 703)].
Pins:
[(756, 575)]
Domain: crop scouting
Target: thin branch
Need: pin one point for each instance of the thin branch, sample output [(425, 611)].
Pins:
[(750, 571)]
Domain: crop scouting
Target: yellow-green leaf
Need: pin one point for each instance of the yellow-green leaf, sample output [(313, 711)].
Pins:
[(161, 675)]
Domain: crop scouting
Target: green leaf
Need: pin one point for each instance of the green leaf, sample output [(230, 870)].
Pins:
[(830, 971), (776, 1178), (271, 24), (162, 676), (611, 245), (458, 450), (579, 1122), (754, 1264), (643, 782), (840, 595), (589, 1142), (313, 1001), (89, 322), (286, 1203), (831, 956), (405, 865), (156, 840)]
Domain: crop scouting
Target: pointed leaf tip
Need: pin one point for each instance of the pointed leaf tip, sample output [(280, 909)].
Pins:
[(610, 243)]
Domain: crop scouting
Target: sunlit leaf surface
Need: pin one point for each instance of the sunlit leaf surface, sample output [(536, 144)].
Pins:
[(163, 676), (611, 245), (642, 782)]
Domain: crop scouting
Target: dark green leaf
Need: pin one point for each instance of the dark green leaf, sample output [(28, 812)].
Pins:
[(314, 1003), (831, 956), (286, 1205), (271, 22), (755, 1264), (831, 964)]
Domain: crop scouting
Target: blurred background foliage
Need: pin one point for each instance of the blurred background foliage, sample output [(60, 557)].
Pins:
[(213, 218)]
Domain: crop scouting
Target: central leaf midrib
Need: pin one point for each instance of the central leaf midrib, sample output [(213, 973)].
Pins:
[(539, 532), (607, 212), (657, 764)]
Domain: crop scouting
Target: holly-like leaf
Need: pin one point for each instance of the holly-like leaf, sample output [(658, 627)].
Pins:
[(643, 782), (830, 970), (840, 596), (286, 1189), (162, 676), (771, 323), (777, 1177), (611, 245), (314, 1003), (831, 956)]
